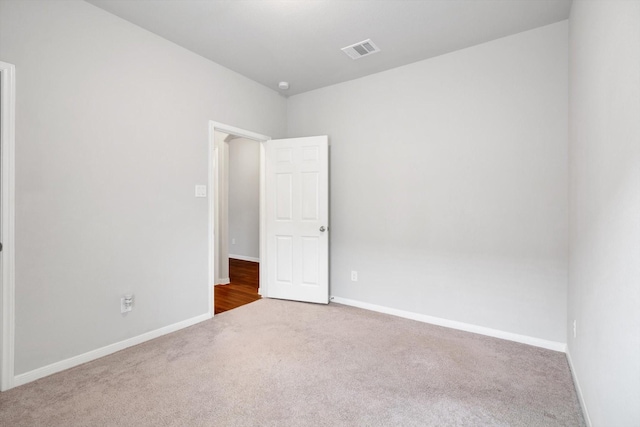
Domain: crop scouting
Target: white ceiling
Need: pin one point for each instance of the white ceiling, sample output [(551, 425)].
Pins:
[(299, 41)]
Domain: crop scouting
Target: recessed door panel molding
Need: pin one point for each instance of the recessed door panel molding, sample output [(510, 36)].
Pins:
[(284, 196), (284, 258), (310, 154), (297, 223), (284, 156), (310, 248), (310, 196)]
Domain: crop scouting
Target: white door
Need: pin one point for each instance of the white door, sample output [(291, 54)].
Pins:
[(297, 211)]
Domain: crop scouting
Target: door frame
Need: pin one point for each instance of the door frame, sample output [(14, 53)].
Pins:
[(213, 163), (7, 278)]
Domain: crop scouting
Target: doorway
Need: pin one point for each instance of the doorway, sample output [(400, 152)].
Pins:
[(236, 216), (238, 190), (294, 215)]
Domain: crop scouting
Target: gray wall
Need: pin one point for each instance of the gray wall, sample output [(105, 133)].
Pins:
[(244, 198), (604, 273), (449, 183), (111, 137)]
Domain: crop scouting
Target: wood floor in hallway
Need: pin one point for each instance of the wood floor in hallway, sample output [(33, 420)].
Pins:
[(243, 288)]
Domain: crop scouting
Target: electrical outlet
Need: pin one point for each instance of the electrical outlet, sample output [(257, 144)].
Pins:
[(575, 331), (126, 303), (354, 276), (233, 241)]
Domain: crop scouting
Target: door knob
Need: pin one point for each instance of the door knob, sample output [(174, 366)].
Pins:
[(322, 229)]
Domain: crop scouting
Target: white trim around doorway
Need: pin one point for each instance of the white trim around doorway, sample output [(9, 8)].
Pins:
[(7, 285)]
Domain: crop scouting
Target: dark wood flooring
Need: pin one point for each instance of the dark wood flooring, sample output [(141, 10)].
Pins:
[(243, 288)]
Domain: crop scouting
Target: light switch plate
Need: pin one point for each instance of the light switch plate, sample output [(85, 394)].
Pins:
[(201, 191)]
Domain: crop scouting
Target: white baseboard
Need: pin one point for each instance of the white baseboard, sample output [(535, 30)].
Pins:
[(56, 367), (245, 258), (223, 281), (576, 383), (468, 327)]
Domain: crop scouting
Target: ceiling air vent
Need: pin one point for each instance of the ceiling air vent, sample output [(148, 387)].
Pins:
[(361, 49)]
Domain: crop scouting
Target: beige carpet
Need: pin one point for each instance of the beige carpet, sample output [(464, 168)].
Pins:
[(277, 363)]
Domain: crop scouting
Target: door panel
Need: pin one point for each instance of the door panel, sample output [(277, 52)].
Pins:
[(284, 196), (284, 259), (310, 196), (297, 214)]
